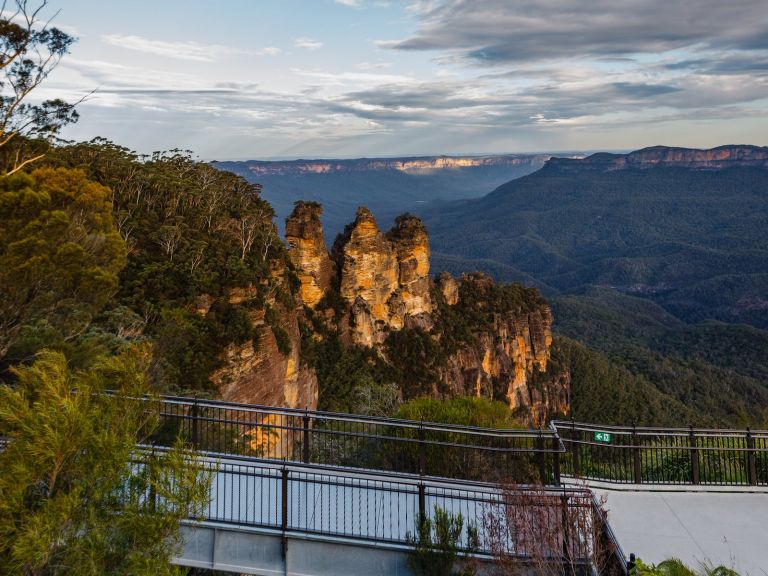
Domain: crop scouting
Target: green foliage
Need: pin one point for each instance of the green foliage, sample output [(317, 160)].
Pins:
[(675, 567), (188, 345), (195, 234), (416, 356), (281, 335), (193, 230), (344, 374), (462, 410), (481, 300), (604, 392), (717, 370), (445, 453), (60, 254), (186, 351), (437, 544), (75, 488)]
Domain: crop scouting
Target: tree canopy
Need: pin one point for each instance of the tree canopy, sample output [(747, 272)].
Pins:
[(75, 490), (59, 252)]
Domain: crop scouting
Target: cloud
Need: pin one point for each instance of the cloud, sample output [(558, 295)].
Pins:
[(185, 50), (307, 43), (352, 3), (342, 78), (503, 74), (373, 65), (498, 31)]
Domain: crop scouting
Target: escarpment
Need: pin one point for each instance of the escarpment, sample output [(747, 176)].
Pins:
[(722, 157), (449, 337)]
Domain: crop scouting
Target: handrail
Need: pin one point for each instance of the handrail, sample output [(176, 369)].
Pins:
[(348, 504), (397, 422), (625, 454), (651, 429)]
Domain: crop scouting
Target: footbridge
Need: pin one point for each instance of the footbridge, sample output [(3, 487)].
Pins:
[(315, 493)]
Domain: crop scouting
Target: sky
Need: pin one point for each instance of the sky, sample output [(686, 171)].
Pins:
[(263, 79)]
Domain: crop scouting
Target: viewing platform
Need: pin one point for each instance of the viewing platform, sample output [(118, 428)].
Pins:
[(307, 492)]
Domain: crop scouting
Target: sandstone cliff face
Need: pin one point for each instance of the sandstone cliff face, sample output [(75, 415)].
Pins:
[(258, 373), (409, 165), (369, 268), (307, 251), (385, 279), (411, 246), (661, 156), (506, 357)]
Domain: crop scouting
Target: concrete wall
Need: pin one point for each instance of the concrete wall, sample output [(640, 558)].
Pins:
[(231, 549)]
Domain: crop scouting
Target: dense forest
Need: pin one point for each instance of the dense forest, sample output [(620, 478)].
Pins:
[(693, 241), (174, 230)]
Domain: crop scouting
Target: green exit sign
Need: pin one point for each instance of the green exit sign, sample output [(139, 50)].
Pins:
[(603, 437)]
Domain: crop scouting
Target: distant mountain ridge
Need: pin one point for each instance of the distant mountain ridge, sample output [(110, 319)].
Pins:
[(721, 157), (686, 228), (415, 164), (387, 186)]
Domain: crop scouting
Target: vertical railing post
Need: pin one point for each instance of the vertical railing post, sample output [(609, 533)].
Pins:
[(636, 463), (751, 463), (152, 478), (693, 443), (540, 454), (284, 498), (305, 440), (556, 459), (564, 517), (422, 503), (422, 452), (195, 414), (575, 451)]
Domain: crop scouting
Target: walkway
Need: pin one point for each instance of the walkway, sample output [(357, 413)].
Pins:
[(268, 518), (727, 527)]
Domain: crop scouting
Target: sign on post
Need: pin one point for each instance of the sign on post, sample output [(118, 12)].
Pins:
[(603, 437)]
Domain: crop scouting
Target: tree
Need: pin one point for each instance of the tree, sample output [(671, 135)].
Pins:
[(29, 50), (438, 543), (537, 532), (77, 495), (59, 252)]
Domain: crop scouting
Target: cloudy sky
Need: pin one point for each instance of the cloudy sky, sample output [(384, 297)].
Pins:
[(238, 79)]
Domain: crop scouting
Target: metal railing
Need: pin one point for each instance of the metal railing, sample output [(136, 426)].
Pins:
[(634, 455), (619, 454), (422, 448), (385, 508)]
